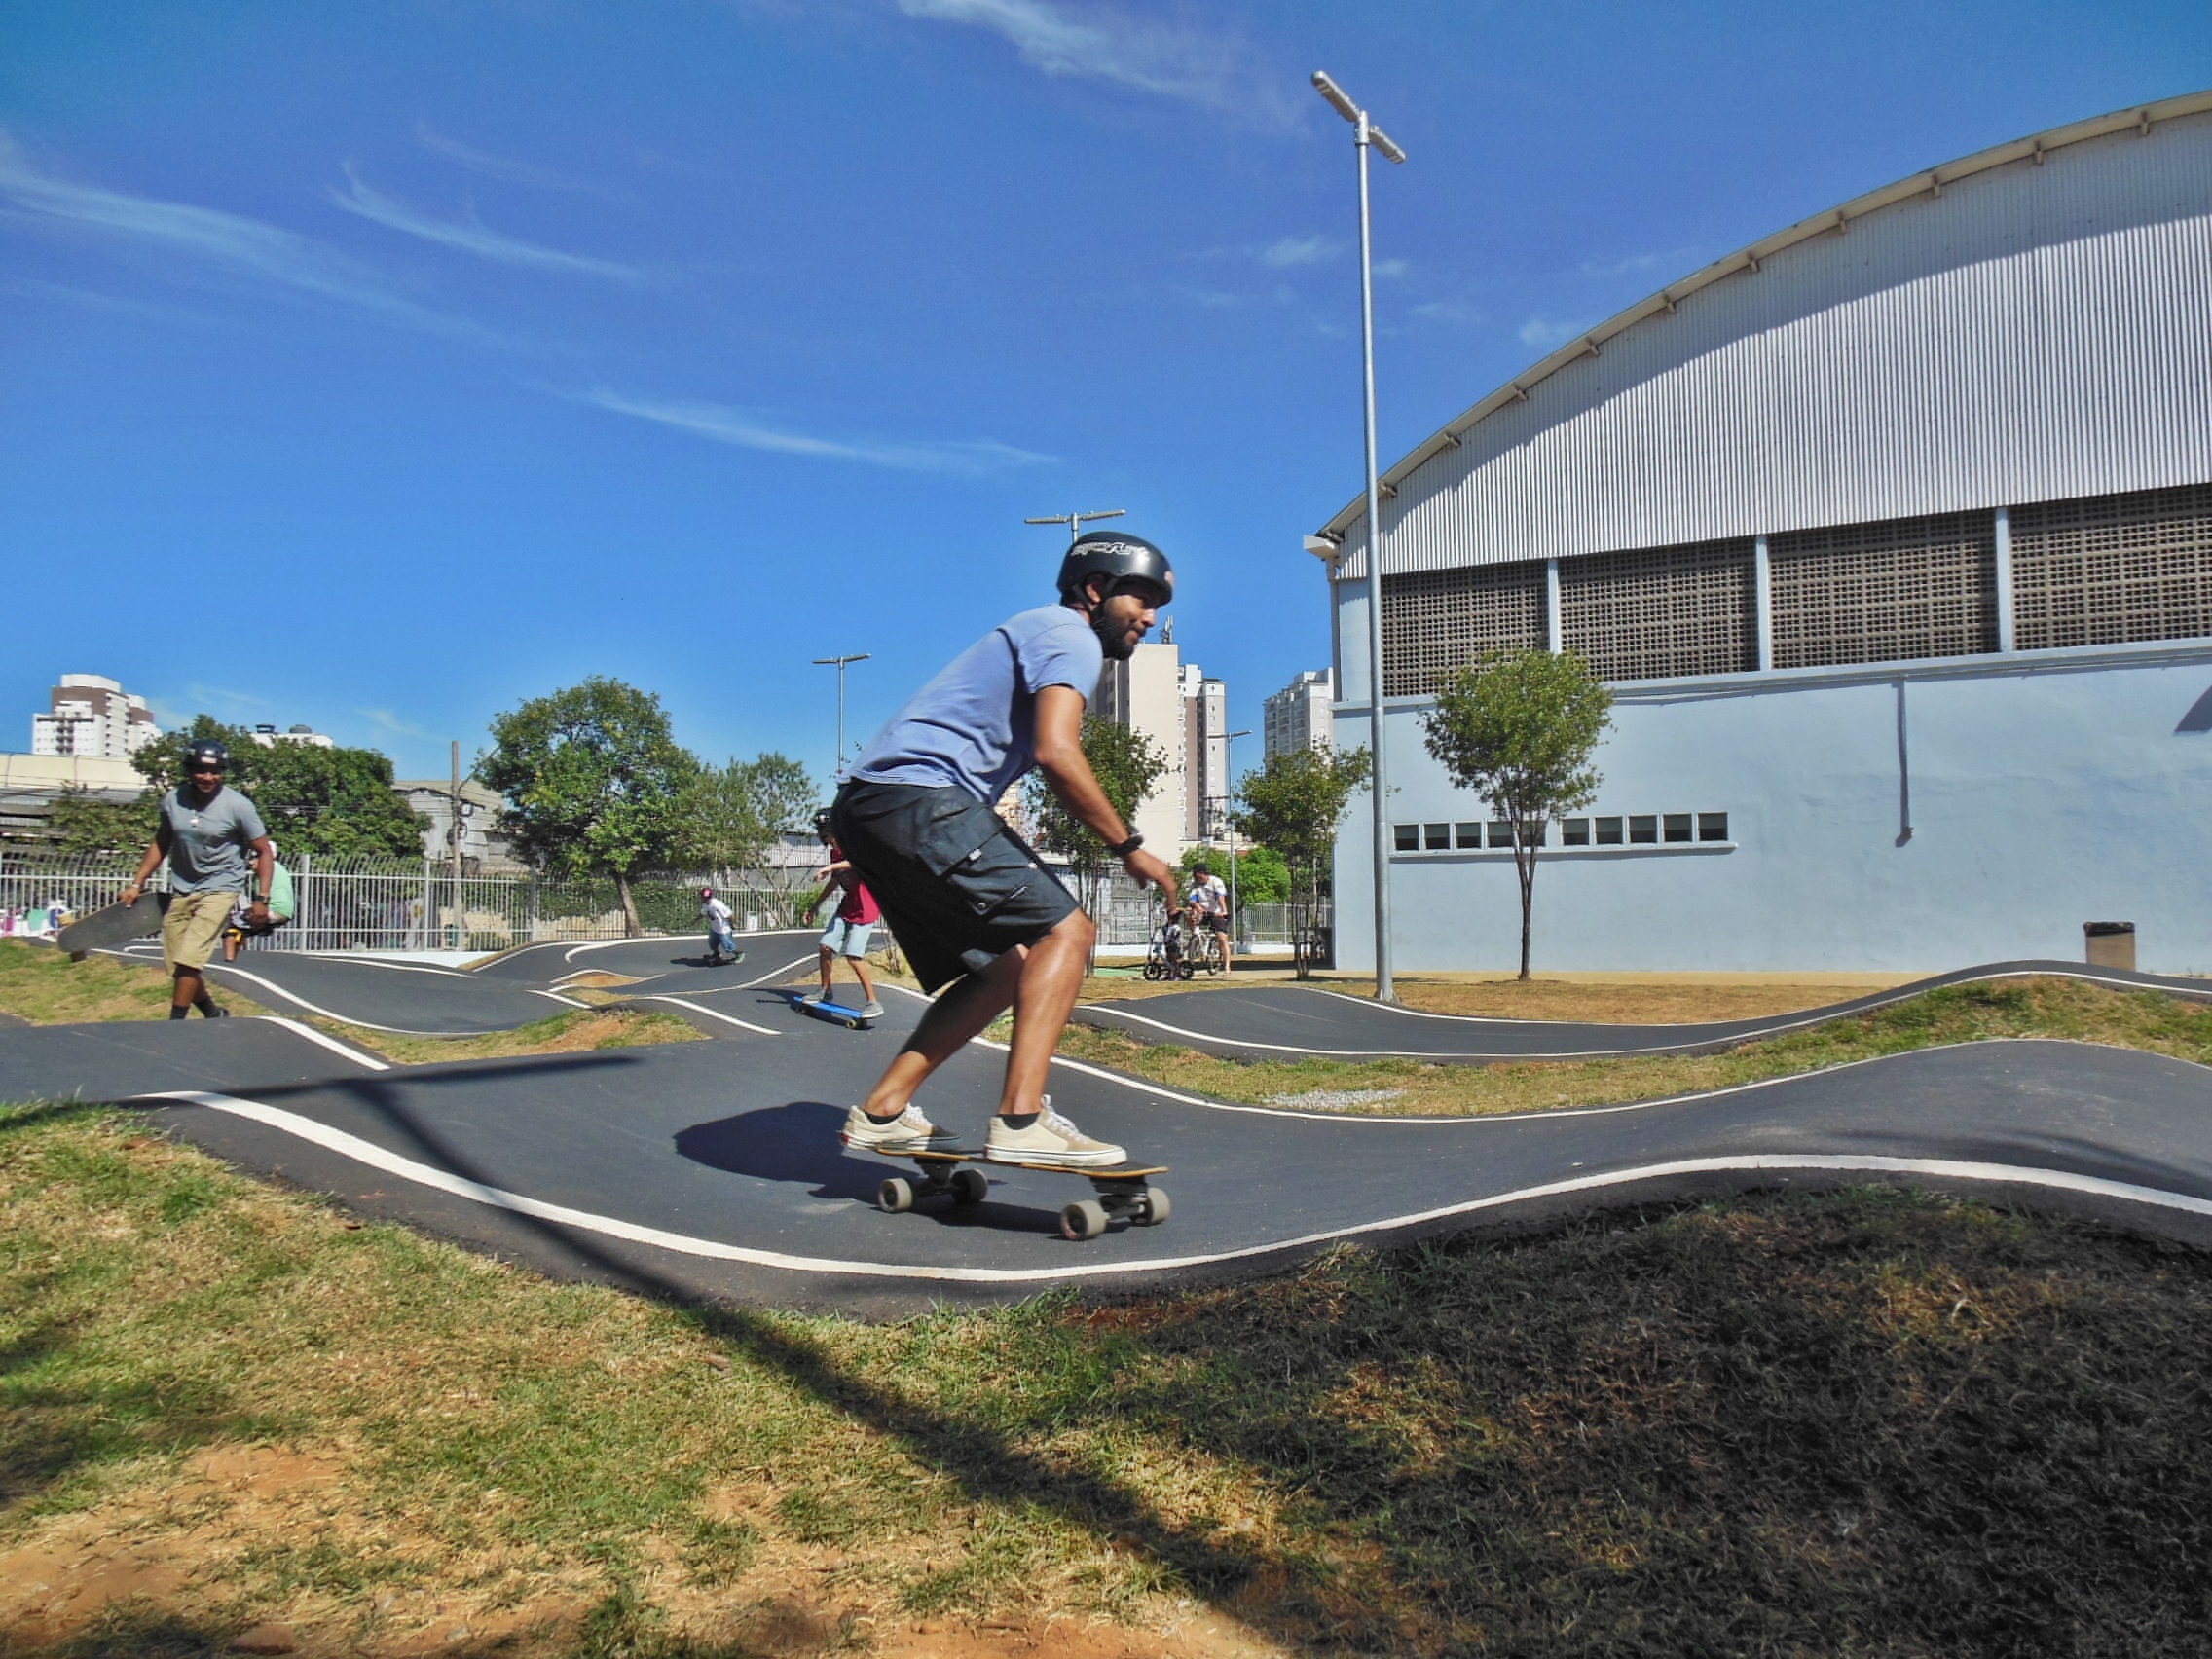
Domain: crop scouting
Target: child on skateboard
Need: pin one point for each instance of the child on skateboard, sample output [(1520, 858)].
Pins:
[(972, 907), (850, 928), (206, 831), (722, 930)]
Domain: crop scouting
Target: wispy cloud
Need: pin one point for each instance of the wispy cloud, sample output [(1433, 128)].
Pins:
[(1392, 268), (204, 695), (1298, 250), (489, 165), (471, 235), (390, 724), (225, 241), (1097, 44), (727, 426), (1545, 333)]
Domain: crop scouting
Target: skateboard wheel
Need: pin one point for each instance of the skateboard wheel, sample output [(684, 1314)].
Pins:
[(896, 1195), (1153, 1208), (970, 1186), (1083, 1219)]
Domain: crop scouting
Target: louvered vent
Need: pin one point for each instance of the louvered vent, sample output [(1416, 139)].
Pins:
[(1662, 613), (1435, 622), (1885, 592), (2112, 569)]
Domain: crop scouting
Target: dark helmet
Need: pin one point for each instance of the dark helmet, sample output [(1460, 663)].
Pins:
[(822, 823), (1119, 557), (208, 751), (1201, 868)]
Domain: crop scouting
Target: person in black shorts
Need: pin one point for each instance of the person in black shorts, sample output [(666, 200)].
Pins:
[(967, 899)]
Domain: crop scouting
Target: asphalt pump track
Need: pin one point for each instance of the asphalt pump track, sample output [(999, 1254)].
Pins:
[(1301, 1021), (712, 1170)]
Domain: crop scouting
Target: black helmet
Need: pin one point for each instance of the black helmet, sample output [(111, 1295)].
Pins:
[(1117, 556), (206, 748), (822, 823)]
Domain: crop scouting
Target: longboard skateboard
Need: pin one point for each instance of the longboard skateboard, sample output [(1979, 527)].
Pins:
[(117, 924), (836, 1013), (1121, 1189)]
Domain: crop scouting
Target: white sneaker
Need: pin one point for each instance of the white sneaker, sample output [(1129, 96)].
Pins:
[(1052, 1138), (909, 1131), (812, 999), (871, 1009)]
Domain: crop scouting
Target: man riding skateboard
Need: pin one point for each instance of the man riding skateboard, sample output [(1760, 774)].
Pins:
[(850, 930), (206, 830), (967, 899)]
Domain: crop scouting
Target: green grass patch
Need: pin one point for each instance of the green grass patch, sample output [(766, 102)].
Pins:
[(569, 1032), (2057, 1008), (1868, 1423), (42, 985)]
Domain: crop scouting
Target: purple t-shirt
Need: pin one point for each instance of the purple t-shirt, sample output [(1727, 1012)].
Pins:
[(973, 727)]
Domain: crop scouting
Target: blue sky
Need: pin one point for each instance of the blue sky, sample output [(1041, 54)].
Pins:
[(378, 366)]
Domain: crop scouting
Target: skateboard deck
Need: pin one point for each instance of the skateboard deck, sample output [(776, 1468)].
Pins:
[(836, 1013), (118, 924), (1118, 1189)]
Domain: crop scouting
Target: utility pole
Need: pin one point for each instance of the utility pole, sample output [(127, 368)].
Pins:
[(1366, 135), (1076, 521), (840, 662), (456, 830)]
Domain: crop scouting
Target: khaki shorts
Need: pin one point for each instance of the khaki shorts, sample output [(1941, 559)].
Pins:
[(194, 924)]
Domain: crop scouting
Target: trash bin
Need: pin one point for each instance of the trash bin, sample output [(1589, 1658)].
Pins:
[(2111, 944)]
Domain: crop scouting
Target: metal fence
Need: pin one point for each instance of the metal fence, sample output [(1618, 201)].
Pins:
[(418, 906)]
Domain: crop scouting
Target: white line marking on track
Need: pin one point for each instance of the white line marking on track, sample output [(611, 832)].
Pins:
[(711, 1014), (559, 998), (498, 1198), (329, 1042), (774, 972)]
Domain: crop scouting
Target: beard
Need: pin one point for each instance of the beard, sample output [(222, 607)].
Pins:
[(1117, 639)]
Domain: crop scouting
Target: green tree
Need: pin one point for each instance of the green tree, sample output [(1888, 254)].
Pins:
[(1518, 730), (721, 827), (1294, 806), (594, 781), (82, 825), (1262, 876), (1127, 765), (335, 803)]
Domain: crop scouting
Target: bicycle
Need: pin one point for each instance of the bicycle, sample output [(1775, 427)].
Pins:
[(1208, 950)]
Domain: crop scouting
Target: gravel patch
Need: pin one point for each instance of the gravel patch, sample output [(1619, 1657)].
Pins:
[(1336, 1099)]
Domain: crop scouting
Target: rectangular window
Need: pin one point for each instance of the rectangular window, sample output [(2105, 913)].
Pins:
[(1678, 826), (1885, 592), (1662, 611), (1469, 835), (1609, 831), (1712, 827), (1435, 622), (1439, 836), (1405, 837), (1575, 831), (1643, 829), (1500, 832)]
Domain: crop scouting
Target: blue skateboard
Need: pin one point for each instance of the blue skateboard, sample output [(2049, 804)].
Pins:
[(836, 1013)]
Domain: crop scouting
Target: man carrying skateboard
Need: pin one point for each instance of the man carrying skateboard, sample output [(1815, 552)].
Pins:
[(206, 830), (850, 930), (971, 904)]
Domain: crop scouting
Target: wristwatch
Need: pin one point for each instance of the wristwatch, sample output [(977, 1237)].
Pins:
[(1122, 849)]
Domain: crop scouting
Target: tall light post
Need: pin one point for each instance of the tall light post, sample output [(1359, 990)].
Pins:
[(837, 776), (1366, 133), (1229, 823), (1076, 521)]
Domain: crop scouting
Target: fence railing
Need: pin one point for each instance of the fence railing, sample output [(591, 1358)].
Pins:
[(418, 906)]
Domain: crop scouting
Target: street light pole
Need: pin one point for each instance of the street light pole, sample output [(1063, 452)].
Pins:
[(1076, 521), (840, 661), (1366, 134), (1228, 824)]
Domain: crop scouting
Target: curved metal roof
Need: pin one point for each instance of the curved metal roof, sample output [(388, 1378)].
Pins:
[(1747, 260)]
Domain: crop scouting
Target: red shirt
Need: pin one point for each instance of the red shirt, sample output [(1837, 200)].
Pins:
[(859, 906)]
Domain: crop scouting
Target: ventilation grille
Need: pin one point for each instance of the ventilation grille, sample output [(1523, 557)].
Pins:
[(2112, 569), (1885, 592), (1435, 622), (1662, 613)]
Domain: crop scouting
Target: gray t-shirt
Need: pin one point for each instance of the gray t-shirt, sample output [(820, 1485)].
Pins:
[(973, 727), (209, 846)]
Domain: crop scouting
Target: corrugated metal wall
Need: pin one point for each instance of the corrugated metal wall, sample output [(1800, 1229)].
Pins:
[(2036, 332)]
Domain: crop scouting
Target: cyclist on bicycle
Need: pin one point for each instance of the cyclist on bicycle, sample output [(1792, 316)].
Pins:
[(1207, 902)]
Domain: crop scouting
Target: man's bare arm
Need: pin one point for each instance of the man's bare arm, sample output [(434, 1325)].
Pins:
[(1060, 757)]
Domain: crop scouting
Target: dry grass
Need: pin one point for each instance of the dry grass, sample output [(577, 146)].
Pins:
[(42, 985), (571, 1031), (1868, 1423), (1963, 1013)]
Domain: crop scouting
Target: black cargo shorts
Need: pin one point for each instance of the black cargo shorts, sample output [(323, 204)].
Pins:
[(956, 884)]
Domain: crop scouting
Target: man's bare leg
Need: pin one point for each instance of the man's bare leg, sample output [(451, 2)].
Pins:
[(1039, 981), (860, 968), (189, 987), (828, 956)]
